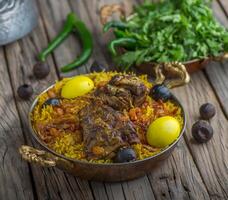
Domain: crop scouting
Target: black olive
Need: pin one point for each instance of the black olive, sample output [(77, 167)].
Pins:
[(52, 102), (202, 131), (125, 155), (207, 111), (41, 70), (160, 92), (97, 67), (25, 91)]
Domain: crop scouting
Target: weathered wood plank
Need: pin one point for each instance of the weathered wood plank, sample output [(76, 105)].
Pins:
[(114, 191), (15, 175), (224, 5), (210, 158), (49, 183), (138, 189), (217, 72), (219, 13), (178, 178)]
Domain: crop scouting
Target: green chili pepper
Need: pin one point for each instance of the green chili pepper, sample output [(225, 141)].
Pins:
[(114, 24), (87, 42), (73, 24), (119, 33), (67, 29), (123, 42)]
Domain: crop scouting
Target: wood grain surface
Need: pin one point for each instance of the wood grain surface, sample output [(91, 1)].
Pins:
[(217, 72), (192, 172), (16, 182)]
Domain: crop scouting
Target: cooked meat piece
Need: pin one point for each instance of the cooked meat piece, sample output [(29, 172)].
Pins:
[(117, 98), (106, 128), (129, 82), (123, 91)]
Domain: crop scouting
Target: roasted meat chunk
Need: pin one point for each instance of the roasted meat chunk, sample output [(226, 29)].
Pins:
[(105, 130), (105, 126), (129, 82), (117, 98), (123, 92)]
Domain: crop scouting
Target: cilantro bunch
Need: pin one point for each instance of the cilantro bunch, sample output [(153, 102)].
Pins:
[(171, 30)]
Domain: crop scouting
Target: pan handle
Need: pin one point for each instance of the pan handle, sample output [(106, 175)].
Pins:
[(40, 157), (177, 69)]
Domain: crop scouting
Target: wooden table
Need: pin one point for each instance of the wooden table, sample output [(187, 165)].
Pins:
[(192, 172)]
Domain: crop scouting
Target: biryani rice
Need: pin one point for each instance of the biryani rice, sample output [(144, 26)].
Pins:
[(66, 143)]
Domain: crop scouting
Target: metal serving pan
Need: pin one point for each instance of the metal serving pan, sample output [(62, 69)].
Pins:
[(92, 171)]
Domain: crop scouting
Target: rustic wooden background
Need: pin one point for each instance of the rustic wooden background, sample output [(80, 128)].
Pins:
[(192, 172)]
